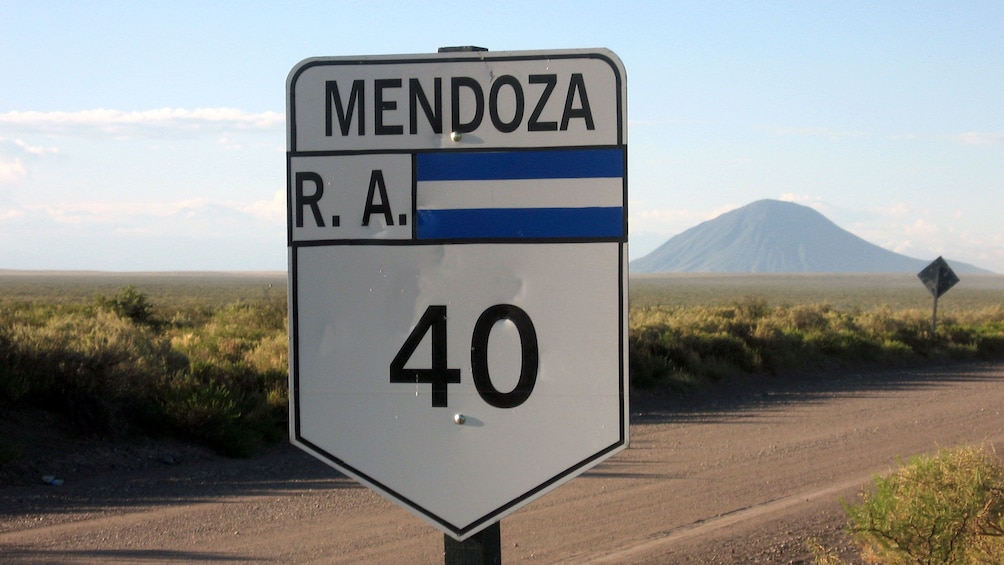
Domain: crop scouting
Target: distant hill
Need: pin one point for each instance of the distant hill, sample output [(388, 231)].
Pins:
[(771, 236)]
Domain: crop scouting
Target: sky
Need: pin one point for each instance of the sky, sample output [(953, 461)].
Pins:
[(150, 136)]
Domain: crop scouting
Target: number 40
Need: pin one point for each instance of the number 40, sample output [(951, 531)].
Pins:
[(439, 375)]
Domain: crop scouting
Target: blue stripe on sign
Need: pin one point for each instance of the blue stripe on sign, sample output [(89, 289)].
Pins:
[(503, 165), (520, 223)]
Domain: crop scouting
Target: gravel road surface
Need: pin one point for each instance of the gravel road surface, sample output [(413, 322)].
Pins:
[(743, 472)]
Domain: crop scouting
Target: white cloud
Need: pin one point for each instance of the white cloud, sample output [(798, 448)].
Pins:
[(904, 247), (922, 234), (35, 149), (804, 199), (979, 138), (897, 210), (921, 227), (11, 171), (12, 167), (272, 211), (227, 142), (814, 202), (118, 123), (10, 214)]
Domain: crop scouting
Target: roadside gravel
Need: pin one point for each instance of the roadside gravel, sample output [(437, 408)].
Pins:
[(743, 472)]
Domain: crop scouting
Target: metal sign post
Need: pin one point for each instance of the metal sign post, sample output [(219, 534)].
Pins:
[(457, 234), (483, 548)]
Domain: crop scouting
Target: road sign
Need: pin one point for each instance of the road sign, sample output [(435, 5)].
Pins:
[(938, 277), (457, 240)]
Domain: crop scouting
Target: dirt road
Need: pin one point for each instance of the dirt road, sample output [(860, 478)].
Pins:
[(738, 474)]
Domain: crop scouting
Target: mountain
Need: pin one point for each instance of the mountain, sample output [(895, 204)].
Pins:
[(771, 236)]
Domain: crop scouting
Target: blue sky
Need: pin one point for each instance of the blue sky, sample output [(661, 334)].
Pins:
[(151, 136)]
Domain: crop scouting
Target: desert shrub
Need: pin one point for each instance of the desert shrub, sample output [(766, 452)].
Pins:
[(680, 346), (991, 343), (233, 332), (97, 368), (128, 303), (234, 394), (648, 360), (660, 352), (846, 348), (271, 353), (805, 318), (982, 338), (112, 366), (944, 509), (231, 407), (210, 368)]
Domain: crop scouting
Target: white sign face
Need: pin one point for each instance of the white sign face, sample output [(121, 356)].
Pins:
[(457, 235)]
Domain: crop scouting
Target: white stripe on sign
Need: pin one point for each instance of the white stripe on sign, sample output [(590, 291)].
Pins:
[(521, 193)]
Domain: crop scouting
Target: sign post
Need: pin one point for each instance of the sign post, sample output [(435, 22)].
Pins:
[(483, 548), (457, 235), (938, 277)]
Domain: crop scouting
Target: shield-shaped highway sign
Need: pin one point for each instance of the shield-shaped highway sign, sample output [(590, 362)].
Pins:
[(457, 235)]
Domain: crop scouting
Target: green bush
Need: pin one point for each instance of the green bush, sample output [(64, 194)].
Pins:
[(947, 509), (216, 370), (97, 368), (681, 346), (230, 407), (112, 367), (129, 303)]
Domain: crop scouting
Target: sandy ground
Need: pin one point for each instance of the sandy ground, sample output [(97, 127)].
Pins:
[(740, 473)]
